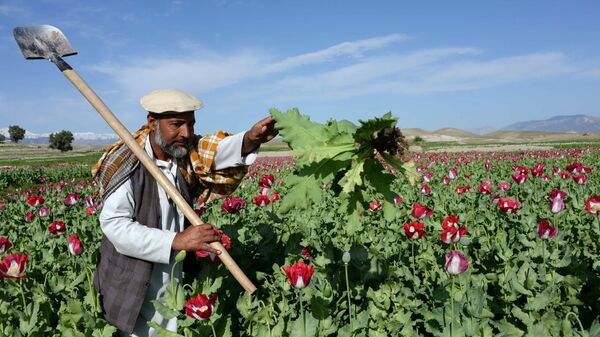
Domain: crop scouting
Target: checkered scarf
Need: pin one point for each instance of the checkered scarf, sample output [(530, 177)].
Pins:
[(118, 162)]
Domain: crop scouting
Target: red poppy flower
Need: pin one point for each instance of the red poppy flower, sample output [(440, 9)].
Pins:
[(545, 231), (72, 199), (35, 200), (414, 230), (57, 228), (305, 252), (29, 216), (212, 257), (519, 178), (462, 189), (200, 307), (452, 174), (4, 244), (43, 212), (13, 266), (374, 206), (592, 205), (565, 175), (425, 190), (420, 211), (484, 189), (504, 186), (445, 180), (488, 165), (261, 200), (427, 176), (75, 245), (266, 180), (275, 196), (232, 205), (298, 274), (398, 200), (580, 179), (508, 205)]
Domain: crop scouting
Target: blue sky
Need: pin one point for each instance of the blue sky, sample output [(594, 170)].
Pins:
[(434, 64)]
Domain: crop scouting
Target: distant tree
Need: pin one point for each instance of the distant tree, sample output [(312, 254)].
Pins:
[(61, 140), (418, 139), (16, 133), (2, 138)]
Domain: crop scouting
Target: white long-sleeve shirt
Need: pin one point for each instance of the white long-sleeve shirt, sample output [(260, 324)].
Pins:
[(154, 244)]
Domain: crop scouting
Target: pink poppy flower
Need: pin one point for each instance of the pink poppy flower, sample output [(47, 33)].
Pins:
[(456, 262)]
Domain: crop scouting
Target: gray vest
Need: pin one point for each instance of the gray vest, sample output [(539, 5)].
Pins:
[(123, 281)]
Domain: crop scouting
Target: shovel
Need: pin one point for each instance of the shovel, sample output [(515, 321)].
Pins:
[(48, 42)]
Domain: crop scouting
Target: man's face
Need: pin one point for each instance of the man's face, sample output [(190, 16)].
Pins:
[(173, 134)]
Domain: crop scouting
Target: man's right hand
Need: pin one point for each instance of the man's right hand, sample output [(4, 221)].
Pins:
[(196, 238)]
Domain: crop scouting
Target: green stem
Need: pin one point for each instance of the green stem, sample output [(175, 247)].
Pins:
[(452, 304), (544, 256), (303, 316), (212, 326), (583, 332), (22, 297), (348, 293)]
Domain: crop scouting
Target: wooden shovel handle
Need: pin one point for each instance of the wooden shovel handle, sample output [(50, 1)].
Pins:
[(141, 154)]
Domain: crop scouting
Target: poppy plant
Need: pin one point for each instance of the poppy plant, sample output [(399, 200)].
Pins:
[(75, 245), (519, 178), (425, 190), (4, 244), (29, 216), (13, 266), (43, 212), (504, 186), (261, 200), (266, 180), (452, 174), (397, 200), (299, 274), (484, 189), (232, 205), (35, 200), (200, 307), (456, 262), (592, 205), (57, 228), (580, 179), (420, 211), (508, 205), (545, 230), (414, 230), (557, 203), (72, 199), (212, 257), (374, 206)]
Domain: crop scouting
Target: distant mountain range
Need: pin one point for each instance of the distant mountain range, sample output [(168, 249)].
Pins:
[(580, 124), (568, 123)]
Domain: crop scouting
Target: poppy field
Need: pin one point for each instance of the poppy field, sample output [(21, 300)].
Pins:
[(482, 244)]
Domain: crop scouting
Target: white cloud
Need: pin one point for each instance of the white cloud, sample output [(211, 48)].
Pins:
[(324, 78), (588, 74), (205, 70)]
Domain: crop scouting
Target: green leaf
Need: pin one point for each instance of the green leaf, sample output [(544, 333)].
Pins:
[(162, 332), (297, 130), (507, 329), (352, 177), (165, 311), (311, 155)]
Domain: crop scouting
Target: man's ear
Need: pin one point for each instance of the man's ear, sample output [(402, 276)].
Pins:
[(152, 122)]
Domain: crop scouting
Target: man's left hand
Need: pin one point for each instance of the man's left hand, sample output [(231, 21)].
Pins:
[(260, 133)]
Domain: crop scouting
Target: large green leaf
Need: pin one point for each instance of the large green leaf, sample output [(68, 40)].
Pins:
[(162, 332), (307, 156), (297, 130)]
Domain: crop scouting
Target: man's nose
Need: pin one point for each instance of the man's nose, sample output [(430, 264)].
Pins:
[(186, 131)]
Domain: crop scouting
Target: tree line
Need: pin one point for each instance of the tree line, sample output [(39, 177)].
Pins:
[(60, 140)]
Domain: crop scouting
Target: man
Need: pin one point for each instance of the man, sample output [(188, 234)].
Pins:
[(143, 229)]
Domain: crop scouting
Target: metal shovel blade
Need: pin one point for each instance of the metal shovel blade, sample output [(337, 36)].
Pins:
[(42, 42)]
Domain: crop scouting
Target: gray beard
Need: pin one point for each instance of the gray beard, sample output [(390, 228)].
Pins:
[(170, 149)]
